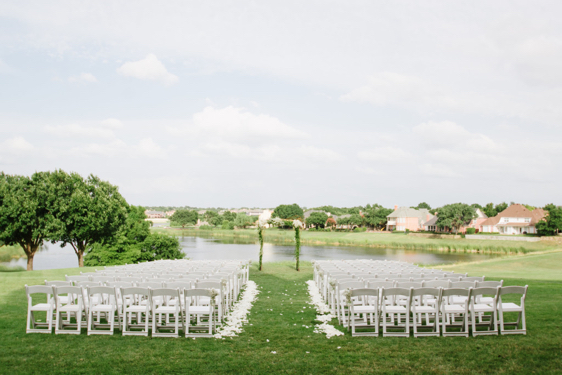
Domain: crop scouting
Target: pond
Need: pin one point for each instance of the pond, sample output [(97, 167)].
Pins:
[(53, 256)]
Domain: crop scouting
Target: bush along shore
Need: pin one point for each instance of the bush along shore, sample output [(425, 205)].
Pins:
[(375, 240)]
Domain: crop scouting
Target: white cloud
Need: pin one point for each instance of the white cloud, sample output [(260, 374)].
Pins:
[(388, 88), (384, 154), (16, 145), (237, 124), (112, 123), (270, 153), (149, 68), (5, 68), (80, 131), (317, 154), (447, 134), (438, 170), (83, 78)]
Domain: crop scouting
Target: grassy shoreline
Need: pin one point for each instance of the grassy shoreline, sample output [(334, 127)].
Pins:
[(278, 323), (375, 240)]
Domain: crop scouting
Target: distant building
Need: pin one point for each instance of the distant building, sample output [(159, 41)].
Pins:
[(516, 219), (407, 218), (154, 214)]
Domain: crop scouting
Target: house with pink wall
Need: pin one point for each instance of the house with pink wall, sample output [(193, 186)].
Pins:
[(407, 218)]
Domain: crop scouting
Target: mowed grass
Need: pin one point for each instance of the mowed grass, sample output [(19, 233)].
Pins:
[(278, 318), (380, 240)]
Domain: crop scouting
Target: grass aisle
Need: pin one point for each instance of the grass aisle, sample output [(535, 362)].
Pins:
[(276, 319)]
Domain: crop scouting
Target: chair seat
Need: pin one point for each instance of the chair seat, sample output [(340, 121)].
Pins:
[(364, 309), (453, 309), (103, 308), (70, 308), (395, 309), (42, 307), (166, 310), (486, 300), (459, 300), (135, 308), (511, 307), (424, 309), (482, 307), (199, 309)]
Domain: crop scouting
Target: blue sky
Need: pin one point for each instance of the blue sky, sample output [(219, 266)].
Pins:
[(260, 103)]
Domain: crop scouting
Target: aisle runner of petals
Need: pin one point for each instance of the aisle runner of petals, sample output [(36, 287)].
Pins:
[(325, 316), (239, 314)]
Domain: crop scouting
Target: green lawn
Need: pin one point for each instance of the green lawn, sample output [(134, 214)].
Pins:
[(538, 352), (381, 240)]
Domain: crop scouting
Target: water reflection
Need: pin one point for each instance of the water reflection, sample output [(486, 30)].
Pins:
[(206, 248), (52, 256)]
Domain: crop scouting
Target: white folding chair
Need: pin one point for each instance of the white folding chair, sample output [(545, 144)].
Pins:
[(172, 313), (68, 300), (34, 326), (507, 307), (479, 310), (219, 300), (135, 310), (102, 301), (450, 310), (390, 307), (425, 301), (366, 314), (199, 312)]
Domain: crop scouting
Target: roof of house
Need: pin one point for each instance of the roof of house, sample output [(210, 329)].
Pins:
[(337, 217), (409, 212), (420, 214), (517, 210), (431, 221)]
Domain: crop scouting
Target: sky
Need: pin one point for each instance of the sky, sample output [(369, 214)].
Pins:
[(261, 103)]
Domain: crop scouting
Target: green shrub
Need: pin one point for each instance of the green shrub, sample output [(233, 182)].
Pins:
[(470, 230), (206, 227)]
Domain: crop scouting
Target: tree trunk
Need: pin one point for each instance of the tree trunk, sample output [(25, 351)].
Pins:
[(29, 248), (79, 249), (260, 236), (30, 262)]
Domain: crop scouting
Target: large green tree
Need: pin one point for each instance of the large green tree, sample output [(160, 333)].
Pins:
[(288, 211), (184, 217), (133, 243), (86, 211), (552, 223), (375, 215), (242, 220), (455, 216), (489, 210), (318, 219), (423, 205), (25, 218)]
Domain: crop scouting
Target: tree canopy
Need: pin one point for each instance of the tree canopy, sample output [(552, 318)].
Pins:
[(184, 217), (24, 211), (133, 243), (318, 219), (242, 220), (288, 211), (455, 216), (552, 223), (375, 216), (423, 205), (87, 211)]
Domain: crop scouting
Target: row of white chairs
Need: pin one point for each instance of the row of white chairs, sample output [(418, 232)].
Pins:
[(336, 300), (133, 310), (447, 311)]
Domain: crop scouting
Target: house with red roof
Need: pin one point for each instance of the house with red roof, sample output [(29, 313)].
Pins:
[(516, 219)]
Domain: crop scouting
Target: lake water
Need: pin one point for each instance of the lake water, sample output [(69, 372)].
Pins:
[(53, 256)]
